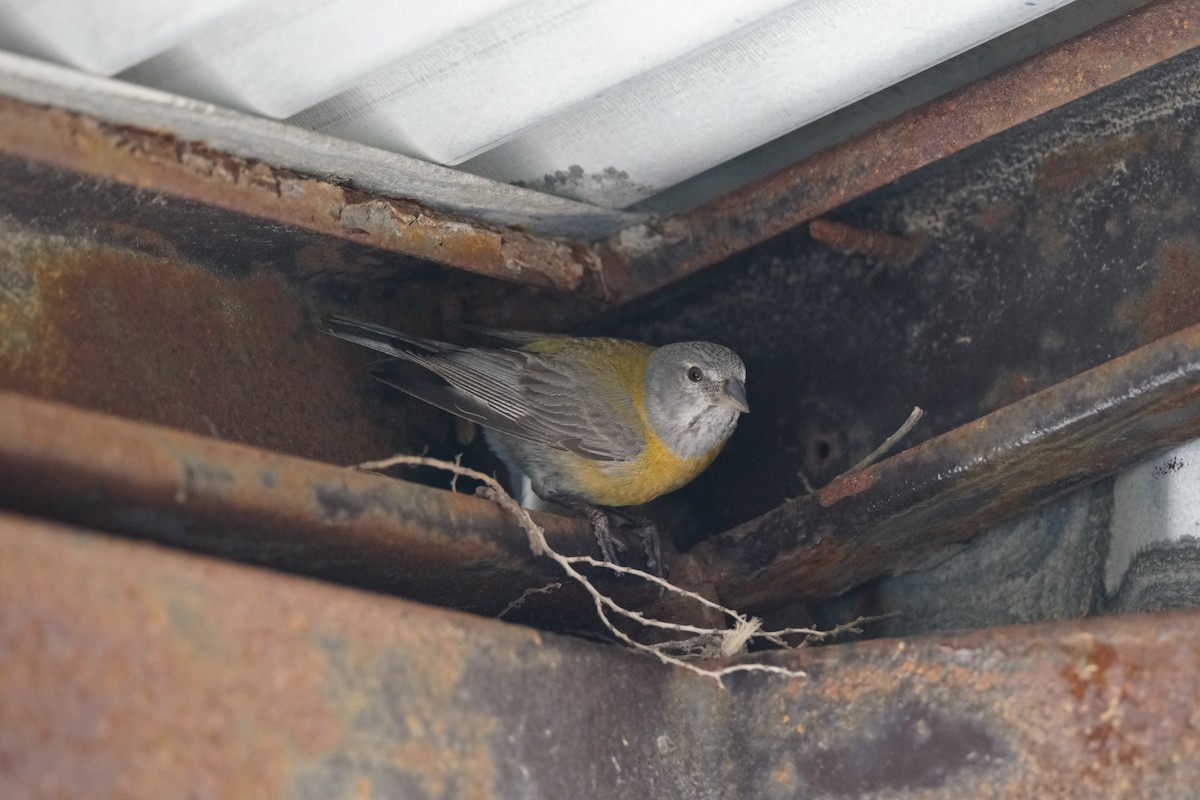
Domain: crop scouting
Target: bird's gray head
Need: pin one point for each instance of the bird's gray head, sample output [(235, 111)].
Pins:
[(694, 393)]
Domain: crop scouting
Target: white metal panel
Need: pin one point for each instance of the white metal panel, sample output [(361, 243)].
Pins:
[(771, 78), (1157, 501), (604, 101), (278, 57), (102, 36), (486, 84)]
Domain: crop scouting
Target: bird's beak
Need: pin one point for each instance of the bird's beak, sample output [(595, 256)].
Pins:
[(733, 395)]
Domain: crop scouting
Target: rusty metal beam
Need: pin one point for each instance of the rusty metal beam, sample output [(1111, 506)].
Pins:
[(135, 671), (243, 503), (268, 170), (896, 514), (647, 256), (1095, 708)]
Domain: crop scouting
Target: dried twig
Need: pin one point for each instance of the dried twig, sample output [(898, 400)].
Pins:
[(525, 595), (889, 442), (700, 642)]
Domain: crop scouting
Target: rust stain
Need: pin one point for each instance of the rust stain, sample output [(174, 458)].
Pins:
[(1098, 680), (1172, 301), (229, 346), (1086, 161), (1000, 688), (122, 332), (1089, 667), (845, 486), (887, 248)]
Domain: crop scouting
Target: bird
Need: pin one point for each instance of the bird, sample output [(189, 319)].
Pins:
[(593, 423)]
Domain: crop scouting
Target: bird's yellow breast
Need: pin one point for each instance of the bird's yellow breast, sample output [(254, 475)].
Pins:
[(656, 470)]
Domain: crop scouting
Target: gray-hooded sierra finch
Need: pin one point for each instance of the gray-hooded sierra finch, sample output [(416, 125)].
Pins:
[(589, 421)]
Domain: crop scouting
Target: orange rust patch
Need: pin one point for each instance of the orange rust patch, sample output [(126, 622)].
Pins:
[(1083, 162), (174, 344), (845, 486), (1173, 299), (1097, 680)]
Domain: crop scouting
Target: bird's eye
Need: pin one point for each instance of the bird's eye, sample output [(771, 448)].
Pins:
[(694, 374)]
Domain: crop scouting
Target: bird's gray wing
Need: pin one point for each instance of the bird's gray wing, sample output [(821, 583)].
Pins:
[(517, 339), (382, 339), (580, 410), (532, 397)]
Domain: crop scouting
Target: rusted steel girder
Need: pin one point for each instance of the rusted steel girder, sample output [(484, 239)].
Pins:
[(135, 671), (896, 514), (239, 502)]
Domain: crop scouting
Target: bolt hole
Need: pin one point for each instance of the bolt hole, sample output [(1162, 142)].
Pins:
[(822, 449)]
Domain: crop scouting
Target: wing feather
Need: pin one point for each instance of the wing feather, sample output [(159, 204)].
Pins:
[(562, 396)]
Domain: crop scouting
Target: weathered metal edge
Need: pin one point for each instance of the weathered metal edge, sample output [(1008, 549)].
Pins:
[(164, 143), (891, 516), (247, 504), (289, 147), (659, 252)]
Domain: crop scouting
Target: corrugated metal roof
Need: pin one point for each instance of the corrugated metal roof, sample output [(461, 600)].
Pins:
[(605, 101)]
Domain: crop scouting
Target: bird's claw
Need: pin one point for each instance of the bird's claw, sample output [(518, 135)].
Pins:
[(602, 530), (652, 546), (610, 545)]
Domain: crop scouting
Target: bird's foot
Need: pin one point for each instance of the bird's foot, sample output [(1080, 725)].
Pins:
[(647, 531), (602, 530), (652, 547), (601, 527), (610, 545)]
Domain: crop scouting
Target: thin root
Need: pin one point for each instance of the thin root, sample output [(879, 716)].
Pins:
[(698, 643)]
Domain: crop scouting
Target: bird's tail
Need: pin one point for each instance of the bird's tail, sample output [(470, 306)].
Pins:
[(384, 340)]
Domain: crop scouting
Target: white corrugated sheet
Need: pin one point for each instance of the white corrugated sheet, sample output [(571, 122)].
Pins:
[(605, 101)]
